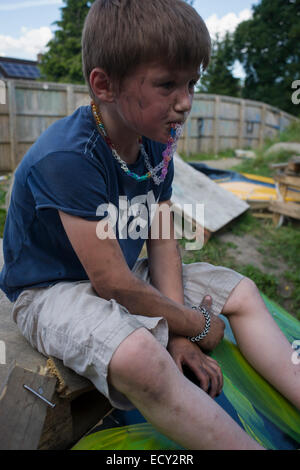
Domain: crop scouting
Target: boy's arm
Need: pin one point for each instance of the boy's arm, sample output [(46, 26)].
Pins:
[(111, 277), (165, 267), (165, 264)]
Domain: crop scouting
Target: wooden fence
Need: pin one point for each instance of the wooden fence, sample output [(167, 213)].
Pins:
[(215, 123)]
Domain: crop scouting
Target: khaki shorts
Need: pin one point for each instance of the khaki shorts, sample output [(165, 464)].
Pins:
[(71, 322)]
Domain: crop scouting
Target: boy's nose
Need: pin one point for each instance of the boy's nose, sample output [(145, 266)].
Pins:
[(184, 101)]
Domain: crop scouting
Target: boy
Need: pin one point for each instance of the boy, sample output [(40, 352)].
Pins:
[(126, 324)]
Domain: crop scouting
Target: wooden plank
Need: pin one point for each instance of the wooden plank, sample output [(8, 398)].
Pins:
[(191, 187), (71, 419), (288, 180), (290, 209), (294, 196), (262, 215), (22, 414), (294, 164), (278, 165), (258, 204)]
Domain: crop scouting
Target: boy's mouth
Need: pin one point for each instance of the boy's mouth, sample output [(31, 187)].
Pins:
[(176, 123)]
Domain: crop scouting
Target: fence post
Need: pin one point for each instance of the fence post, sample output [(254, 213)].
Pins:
[(12, 123), (2, 92), (216, 125), (70, 99), (262, 125), (241, 124)]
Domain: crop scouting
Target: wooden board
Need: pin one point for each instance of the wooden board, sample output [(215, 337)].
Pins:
[(22, 414), (190, 187), (289, 209), (293, 181)]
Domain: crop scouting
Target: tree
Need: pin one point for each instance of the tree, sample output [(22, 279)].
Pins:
[(62, 62), (218, 78), (268, 48)]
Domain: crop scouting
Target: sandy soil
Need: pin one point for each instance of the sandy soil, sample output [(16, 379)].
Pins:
[(247, 251)]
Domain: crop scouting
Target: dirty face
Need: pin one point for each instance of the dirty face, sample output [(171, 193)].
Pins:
[(154, 97)]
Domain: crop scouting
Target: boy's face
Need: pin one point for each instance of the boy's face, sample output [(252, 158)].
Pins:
[(154, 97)]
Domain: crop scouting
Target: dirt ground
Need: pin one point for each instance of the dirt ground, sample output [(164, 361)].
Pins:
[(247, 252)]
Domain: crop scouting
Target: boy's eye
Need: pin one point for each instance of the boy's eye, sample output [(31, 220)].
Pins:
[(171, 84), (167, 85)]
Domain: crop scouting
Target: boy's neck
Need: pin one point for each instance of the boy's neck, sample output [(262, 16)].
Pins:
[(124, 141)]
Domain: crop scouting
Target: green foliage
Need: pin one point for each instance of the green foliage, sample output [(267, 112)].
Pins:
[(289, 134), (218, 78), (245, 223), (62, 62), (2, 221), (2, 196), (261, 164), (268, 47)]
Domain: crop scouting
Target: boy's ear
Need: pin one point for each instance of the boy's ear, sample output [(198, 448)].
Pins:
[(102, 85)]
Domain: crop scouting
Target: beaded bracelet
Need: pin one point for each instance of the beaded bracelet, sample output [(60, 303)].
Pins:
[(207, 325)]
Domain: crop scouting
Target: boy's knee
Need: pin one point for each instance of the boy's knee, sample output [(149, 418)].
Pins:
[(242, 296), (138, 365)]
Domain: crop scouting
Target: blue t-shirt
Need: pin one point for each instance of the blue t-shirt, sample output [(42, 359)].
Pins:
[(71, 168)]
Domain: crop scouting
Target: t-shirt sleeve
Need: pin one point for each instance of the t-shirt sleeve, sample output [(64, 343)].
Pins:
[(71, 183), (167, 184)]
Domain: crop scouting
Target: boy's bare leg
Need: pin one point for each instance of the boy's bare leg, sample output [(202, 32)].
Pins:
[(261, 341), (144, 371)]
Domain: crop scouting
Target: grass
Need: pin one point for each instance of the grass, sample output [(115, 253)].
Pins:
[(2, 221), (261, 164)]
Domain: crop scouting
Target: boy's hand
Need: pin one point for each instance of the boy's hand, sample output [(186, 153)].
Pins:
[(216, 331), (192, 361)]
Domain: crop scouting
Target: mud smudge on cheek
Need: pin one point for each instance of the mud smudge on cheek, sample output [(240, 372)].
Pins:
[(134, 112), (143, 102)]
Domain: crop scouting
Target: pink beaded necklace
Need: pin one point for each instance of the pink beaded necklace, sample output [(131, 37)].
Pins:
[(167, 154)]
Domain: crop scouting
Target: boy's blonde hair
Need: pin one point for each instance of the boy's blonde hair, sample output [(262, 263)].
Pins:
[(119, 35)]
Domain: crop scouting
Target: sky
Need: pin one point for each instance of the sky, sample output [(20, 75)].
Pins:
[(26, 26)]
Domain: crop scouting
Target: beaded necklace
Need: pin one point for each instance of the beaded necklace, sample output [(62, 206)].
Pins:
[(167, 154)]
